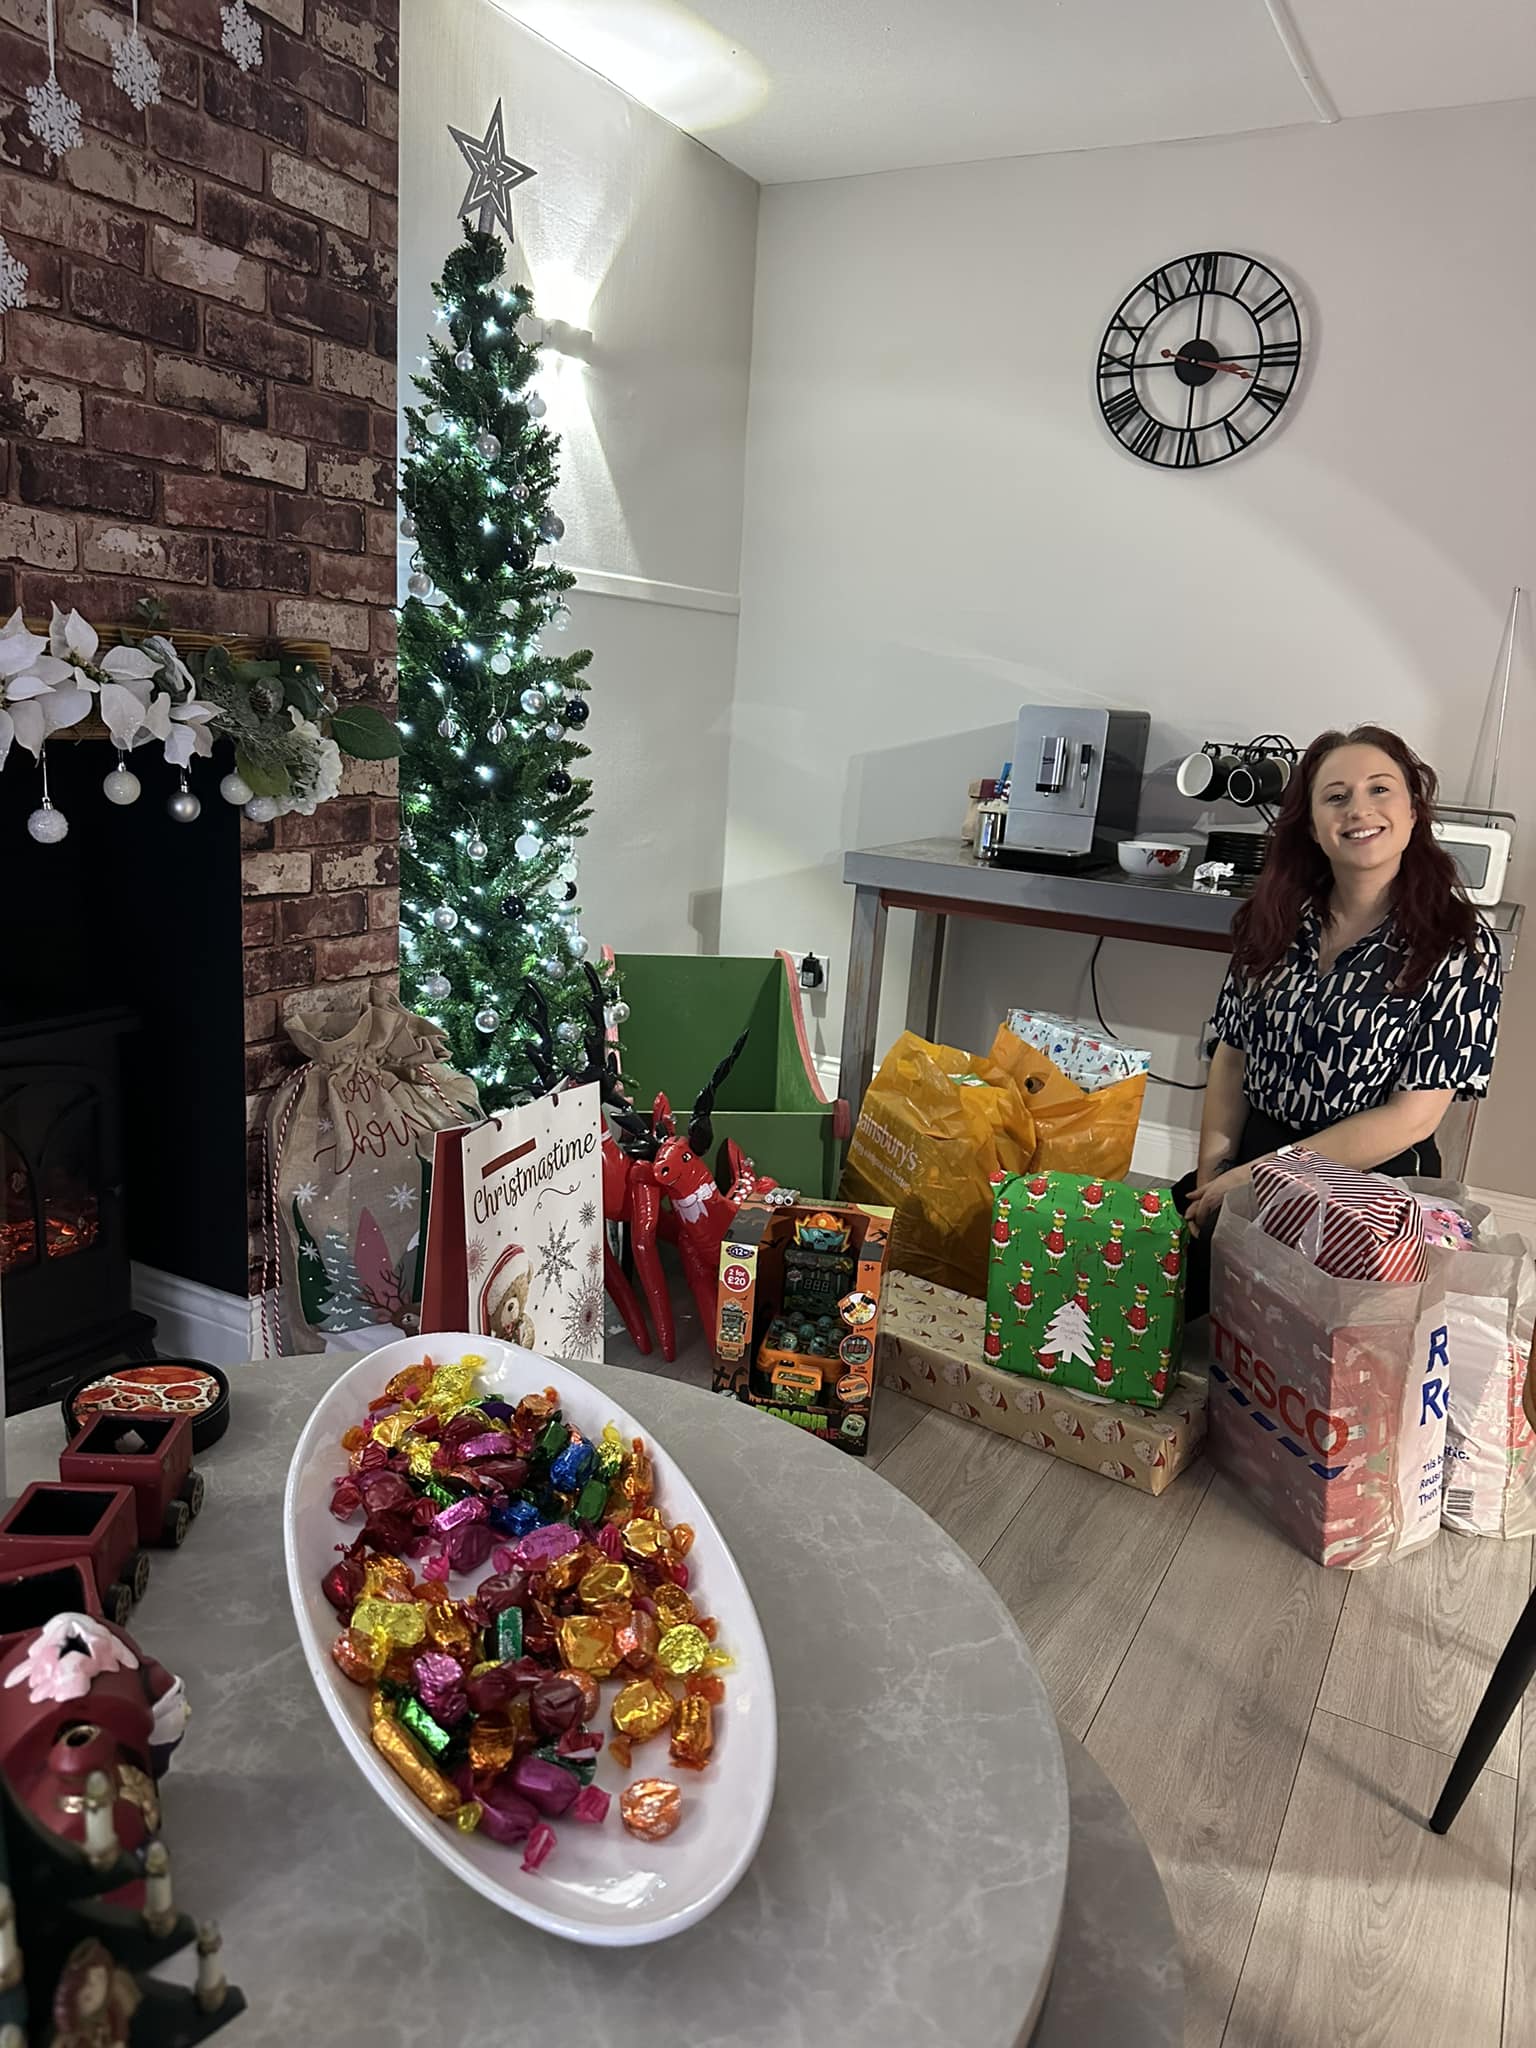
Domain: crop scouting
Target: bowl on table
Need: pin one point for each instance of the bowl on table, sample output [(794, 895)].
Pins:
[(1152, 860)]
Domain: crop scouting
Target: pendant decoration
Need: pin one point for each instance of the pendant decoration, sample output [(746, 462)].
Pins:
[(52, 116), (135, 67), (242, 34)]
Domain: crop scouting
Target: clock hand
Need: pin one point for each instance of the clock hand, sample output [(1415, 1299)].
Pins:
[(1177, 356)]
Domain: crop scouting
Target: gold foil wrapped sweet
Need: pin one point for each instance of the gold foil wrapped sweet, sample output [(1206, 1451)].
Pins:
[(645, 1536), (637, 1639), (651, 1808), (591, 1697), (354, 1655), (693, 1732), (467, 1819), (642, 1709), (491, 1748), (448, 1628), (673, 1607), (452, 1387), (389, 1431), (560, 1576), (409, 1765), (605, 1582), (387, 1578), (682, 1650), (588, 1644)]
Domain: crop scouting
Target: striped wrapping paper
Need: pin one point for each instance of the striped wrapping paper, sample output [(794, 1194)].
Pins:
[(1356, 1226)]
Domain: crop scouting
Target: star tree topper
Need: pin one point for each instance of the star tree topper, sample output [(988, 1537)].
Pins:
[(494, 176)]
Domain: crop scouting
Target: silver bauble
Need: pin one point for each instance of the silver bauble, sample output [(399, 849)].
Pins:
[(533, 702), (527, 845), (448, 726), (554, 732), (435, 986), (487, 1020), (496, 732), (477, 848), (235, 789), (419, 583), (407, 528), (568, 1030), (578, 945), (487, 445), (619, 1012), (445, 917), (500, 662), (435, 422), (183, 806), (552, 969), (122, 786), (535, 405), (562, 618), (48, 826), (465, 359), (261, 810)]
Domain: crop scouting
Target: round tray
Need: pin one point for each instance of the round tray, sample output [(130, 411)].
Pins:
[(137, 1384)]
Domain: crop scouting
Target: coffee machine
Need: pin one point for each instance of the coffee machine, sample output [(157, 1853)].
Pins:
[(1076, 785)]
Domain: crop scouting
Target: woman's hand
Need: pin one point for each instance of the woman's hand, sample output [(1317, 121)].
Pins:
[(1208, 1198)]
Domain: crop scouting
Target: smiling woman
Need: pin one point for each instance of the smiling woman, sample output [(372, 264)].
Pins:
[(1364, 992)]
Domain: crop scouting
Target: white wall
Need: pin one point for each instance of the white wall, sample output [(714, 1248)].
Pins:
[(938, 527), (642, 238)]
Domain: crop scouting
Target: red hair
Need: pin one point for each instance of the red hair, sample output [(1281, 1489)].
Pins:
[(1429, 910)]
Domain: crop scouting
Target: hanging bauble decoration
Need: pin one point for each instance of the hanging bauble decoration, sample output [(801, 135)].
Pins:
[(448, 727), (517, 557), (261, 810), (514, 906), (562, 890), (551, 528), (527, 845), (182, 805), (407, 836), (407, 528), (48, 826), (579, 945), (436, 422), (577, 710), (616, 1014), (486, 445), (535, 405), (500, 663), (519, 494), (533, 702), (465, 359), (557, 782), (419, 583), (487, 1020), (551, 968), (560, 618), (121, 786), (496, 731), (477, 848), (235, 789), (435, 986), (445, 917), (568, 1031), (413, 443), (554, 731)]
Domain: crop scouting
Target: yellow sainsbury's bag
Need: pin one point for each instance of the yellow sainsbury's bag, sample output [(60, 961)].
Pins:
[(1076, 1132), (936, 1125)]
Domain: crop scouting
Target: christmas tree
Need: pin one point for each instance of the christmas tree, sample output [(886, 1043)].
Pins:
[(491, 806), (1069, 1333)]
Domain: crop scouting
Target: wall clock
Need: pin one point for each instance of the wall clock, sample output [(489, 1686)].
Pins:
[(1199, 360)]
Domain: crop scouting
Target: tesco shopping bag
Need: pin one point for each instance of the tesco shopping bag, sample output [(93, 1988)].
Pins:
[(515, 1227), (1328, 1396)]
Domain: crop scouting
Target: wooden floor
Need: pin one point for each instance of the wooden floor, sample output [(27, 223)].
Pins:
[(1279, 1732)]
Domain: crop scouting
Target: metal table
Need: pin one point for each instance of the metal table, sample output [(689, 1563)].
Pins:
[(940, 879)]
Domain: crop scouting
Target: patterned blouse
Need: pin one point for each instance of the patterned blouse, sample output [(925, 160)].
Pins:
[(1321, 1047)]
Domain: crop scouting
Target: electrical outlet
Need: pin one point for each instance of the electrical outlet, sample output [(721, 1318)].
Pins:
[(812, 970)]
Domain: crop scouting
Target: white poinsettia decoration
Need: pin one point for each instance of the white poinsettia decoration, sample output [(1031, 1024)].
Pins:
[(242, 34), (13, 279), (37, 694)]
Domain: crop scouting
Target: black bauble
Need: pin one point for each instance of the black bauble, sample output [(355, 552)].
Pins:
[(570, 892), (557, 782), (514, 906), (452, 664), (517, 556), (577, 710)]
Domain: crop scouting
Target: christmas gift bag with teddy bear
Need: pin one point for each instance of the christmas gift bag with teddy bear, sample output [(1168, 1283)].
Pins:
[(1085, 1285)]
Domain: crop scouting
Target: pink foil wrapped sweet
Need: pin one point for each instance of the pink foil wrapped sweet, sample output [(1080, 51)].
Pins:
[(439, 1681), (490, 1445), (591, 1804), (610, 1543), (549, 1786), (470, 1509), (506, 1817), (541, 1547), (540, 1842)]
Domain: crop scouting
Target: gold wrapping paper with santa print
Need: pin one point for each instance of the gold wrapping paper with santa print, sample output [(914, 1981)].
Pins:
[(931, 1348)]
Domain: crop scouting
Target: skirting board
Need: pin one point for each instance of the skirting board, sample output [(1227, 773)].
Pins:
[(196, 1321)]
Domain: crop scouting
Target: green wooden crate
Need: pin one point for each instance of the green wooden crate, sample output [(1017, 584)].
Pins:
[(685, 1012)]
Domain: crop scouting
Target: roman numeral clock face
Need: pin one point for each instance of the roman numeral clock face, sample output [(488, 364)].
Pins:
[(1199, 360)]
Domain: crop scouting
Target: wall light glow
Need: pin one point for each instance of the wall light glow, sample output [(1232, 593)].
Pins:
[(658, 51)]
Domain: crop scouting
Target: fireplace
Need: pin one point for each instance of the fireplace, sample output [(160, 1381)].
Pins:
[(64, 1265)]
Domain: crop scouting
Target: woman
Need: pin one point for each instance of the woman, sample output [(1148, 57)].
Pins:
[(1364, 990)]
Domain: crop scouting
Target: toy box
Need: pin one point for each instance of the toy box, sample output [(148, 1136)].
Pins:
[(799, 1312), (931, 1343), (1085, 1285)]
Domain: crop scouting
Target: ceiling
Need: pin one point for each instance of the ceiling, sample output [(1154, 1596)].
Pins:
[(796, 89)]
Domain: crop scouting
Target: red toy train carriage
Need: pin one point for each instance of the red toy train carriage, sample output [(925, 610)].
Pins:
[(54, 1524), (150, 1453)]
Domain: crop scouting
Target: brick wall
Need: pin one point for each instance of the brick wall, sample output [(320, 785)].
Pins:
[(199, 400)]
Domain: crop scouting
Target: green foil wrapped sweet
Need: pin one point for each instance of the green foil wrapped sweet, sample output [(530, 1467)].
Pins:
[(413, 1716), (554, 1438), (509, 1634), (591, 1500)]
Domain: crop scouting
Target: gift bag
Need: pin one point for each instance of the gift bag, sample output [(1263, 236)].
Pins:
[(347, 1146), (1490, 1310), (1085, 1285), (1328, 1396), (935, 1127), (1077, 1129), (515, 1231)]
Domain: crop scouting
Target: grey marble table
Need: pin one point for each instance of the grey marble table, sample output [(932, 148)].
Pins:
[(909, 1888)]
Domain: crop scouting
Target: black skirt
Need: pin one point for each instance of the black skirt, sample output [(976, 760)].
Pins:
[(1261, 1135)]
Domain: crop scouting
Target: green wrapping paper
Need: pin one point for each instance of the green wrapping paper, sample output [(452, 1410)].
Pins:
[(1085, 1285)]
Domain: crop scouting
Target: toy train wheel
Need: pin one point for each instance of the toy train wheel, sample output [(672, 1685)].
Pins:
[(117, 1603), (138, 1575), (176, 1523), (193, 1494)]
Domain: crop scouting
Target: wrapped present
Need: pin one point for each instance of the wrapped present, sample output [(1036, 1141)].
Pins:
[(931, 1347), (1328, 1397), (1356, 1226), (1085, 1285), (1081, 1051)]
